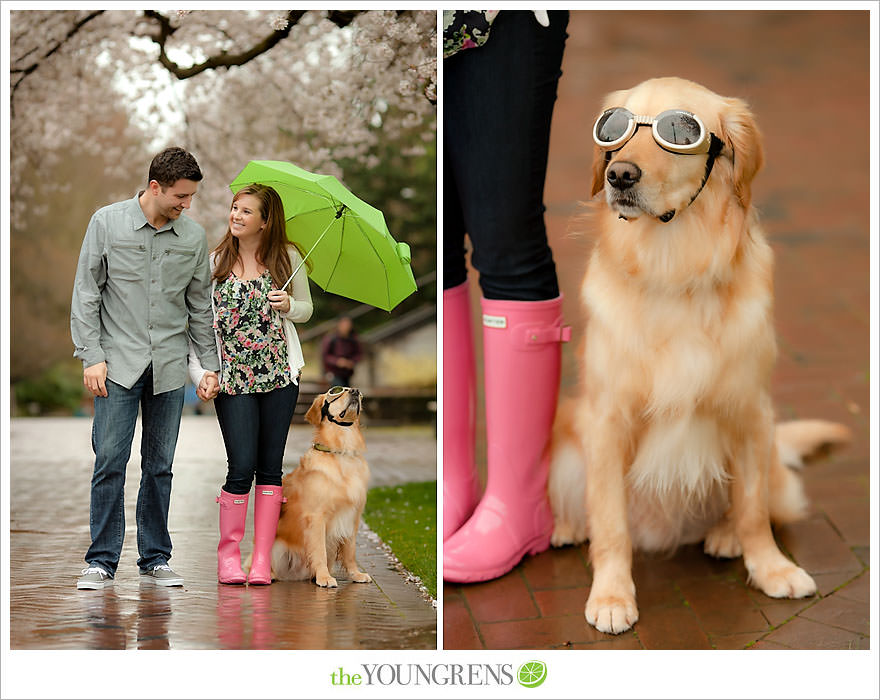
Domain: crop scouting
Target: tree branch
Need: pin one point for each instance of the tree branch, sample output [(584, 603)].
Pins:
[(341, 18), (25, 72)]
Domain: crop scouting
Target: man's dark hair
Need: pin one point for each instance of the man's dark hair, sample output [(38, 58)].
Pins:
[(174, 164)]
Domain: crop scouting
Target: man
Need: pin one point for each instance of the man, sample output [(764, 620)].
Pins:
[(142, 291), (340, 352)]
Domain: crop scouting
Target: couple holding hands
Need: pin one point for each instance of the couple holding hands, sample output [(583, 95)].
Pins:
[(150, 302)]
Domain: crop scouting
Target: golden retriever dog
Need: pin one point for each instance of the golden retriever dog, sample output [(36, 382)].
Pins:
[(671, 439), (325, 495)]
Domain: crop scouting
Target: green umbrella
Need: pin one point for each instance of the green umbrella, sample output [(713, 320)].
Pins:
[(352, 253)]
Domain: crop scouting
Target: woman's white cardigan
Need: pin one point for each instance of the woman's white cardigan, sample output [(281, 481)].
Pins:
[(300, 312)]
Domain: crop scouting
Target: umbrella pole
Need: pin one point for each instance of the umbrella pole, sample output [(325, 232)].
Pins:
[(323, 233)]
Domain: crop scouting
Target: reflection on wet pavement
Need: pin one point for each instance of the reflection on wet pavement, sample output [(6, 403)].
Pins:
[(48, 539)]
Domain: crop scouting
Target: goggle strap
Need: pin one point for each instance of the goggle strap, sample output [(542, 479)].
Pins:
[(715, 147), (326, 414)]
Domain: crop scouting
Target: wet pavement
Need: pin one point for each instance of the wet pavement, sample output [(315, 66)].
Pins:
[(806, 77), (51, 467)]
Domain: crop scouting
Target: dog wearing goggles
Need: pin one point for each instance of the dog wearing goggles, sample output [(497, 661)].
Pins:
[(325, 495), (672, 439)]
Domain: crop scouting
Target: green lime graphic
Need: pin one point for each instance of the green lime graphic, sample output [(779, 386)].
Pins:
[(532, 673)]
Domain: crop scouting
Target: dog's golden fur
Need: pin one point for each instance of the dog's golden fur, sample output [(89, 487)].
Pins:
[(325, 498), (671, 439)]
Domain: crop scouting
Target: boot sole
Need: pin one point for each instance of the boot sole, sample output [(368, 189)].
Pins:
[(233, 578), (89, 586), (470, 576), (158, 582)]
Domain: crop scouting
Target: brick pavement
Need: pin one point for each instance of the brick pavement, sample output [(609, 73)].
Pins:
[(805, 75), (51, 467)]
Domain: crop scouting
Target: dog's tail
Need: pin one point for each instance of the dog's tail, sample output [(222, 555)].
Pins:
[(566, 484), (798, 442), (801, 441), (287, 564)]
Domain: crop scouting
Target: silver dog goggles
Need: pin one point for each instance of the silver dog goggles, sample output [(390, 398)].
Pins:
[(674, 130)]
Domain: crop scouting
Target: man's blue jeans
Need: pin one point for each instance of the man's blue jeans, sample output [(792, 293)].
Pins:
[(112, 434)]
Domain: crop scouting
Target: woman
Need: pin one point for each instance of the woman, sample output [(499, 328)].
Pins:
[(260, 365), (500, 75)]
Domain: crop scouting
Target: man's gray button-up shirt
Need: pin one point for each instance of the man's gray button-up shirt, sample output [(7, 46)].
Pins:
[(138, 293)]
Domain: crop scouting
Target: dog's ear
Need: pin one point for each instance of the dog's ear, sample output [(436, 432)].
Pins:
[(599, 165), (741, 135), (313, 415)]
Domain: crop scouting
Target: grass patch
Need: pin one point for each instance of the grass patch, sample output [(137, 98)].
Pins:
[(405, 517)]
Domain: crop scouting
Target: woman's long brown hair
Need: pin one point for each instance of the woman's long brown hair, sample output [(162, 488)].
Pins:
[(272, 252)]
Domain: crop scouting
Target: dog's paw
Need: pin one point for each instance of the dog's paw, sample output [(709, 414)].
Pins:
[(611, 614), (360, 577), (787, 581), (722, 542), (326, 581), (563, 534)]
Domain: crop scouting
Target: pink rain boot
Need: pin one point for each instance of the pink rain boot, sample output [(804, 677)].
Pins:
[(461, 492), (233, 513), (522, 364), (267, 507)]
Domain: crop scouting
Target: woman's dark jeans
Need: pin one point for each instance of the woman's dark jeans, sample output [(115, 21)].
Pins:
[(254, 428), (498, 105)]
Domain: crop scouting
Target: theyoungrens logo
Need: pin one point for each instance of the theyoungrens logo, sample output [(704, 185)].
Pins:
[(532, 674), (529, 675)]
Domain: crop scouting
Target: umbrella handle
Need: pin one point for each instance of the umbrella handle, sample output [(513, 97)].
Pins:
[(323, 233), (301, 263)]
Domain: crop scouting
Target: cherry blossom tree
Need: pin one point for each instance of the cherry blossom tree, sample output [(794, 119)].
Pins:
[(94, 93), (312, 87)]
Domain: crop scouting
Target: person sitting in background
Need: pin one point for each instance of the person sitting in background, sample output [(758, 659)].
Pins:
[(341, 351)]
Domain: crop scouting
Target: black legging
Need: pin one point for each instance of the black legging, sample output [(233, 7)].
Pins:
[(254, 428), (498, 104)]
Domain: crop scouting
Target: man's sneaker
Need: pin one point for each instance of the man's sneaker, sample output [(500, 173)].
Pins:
[(162, 575), (94, 577)]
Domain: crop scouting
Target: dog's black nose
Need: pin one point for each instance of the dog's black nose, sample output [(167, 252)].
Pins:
[(622, 175)]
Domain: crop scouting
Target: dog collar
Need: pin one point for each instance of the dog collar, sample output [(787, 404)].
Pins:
[(323, 448)]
